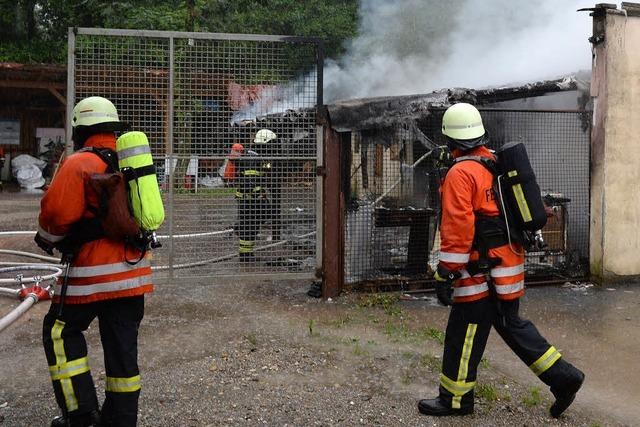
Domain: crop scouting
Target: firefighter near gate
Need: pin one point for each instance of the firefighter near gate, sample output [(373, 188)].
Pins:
[(253, 170), (100, 212), (491, 209)]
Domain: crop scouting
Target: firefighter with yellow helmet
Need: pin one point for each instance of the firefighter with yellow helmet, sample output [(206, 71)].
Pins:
[(101, 280), (253, 172), (481, 274)]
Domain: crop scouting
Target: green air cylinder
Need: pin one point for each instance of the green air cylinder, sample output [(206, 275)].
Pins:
[(519, 187), (136, 164)]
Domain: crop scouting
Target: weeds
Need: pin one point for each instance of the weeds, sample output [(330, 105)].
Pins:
[(388, 302), (430, 361), (341, 322), (484, 363), (407, 378), (312, 323), (359, 351), (431, 333), (533, 398), (487, 392), (253, 340)]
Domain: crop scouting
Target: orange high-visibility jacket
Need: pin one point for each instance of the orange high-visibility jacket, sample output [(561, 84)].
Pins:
[(99, 271), (467, 191)]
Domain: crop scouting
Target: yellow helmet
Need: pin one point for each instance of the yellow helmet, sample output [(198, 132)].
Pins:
[(263, 136), (463, 123), (94, 110), (93, 115)]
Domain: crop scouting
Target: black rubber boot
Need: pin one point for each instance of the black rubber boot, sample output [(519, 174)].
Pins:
[(78, 420), (436, 408), (565, 395)]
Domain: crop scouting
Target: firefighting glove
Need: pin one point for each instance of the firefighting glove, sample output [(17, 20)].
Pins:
[(44, 244), (444, 285)]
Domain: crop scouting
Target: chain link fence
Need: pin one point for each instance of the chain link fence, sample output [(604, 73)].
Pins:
[(195, 95), (392, 191)]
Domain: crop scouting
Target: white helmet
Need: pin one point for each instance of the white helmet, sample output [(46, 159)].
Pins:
[(93, 115), (263, 136), (463, 124), (94, 110)]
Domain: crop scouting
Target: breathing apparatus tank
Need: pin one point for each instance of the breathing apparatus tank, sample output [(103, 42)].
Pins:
[(519, 191), (136, 164)]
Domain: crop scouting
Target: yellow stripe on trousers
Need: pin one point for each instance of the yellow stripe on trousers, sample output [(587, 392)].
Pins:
[(545, 361), (61, 359), (123, 385), (463, 369)]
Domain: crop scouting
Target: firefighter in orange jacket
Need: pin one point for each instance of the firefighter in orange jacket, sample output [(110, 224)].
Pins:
[(101, 283), (485, 275)]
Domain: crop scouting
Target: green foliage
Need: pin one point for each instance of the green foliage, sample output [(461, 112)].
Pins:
[(431, 333), (431, 362), (533, 398), (36, 31), (389, 302), (487, 392)]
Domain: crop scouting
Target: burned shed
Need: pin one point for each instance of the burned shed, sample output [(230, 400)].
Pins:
[(388, 183)]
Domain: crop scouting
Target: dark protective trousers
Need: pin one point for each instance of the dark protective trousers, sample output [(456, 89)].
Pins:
[(252, 213), (466, 337), (66, 351)]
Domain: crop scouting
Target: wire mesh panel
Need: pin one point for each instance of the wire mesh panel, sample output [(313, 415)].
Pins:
[(237, 203), (558, 144), (393, 193), (389, 219)]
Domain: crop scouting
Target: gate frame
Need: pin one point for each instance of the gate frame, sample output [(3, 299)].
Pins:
[(171, 36)]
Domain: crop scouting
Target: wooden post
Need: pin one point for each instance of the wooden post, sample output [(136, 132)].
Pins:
[(333, 211)]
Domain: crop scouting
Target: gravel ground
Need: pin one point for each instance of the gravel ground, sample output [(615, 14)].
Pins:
[(269, 355)]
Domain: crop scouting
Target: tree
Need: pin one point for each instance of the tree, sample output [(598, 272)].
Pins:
[(36, 31)]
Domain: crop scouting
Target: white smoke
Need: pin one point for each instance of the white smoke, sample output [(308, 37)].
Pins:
[(416, 46)]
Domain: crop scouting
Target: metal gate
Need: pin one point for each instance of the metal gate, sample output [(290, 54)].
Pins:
[(195, 95)]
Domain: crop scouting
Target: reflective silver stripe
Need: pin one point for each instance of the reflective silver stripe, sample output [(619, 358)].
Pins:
[(95, 114), (50, 237), (507, 271), (99, 270), (547, 360), (134, 151), (469, 126), (453, 257), (466, 291), (123, 385), (509, 289), (69, 369), (118, 285), (465, 274)]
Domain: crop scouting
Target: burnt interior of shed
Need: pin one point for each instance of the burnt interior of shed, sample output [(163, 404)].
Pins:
[(390, 191)]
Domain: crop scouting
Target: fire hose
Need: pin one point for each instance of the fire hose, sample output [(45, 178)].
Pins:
[(221, 258), (30, 295)]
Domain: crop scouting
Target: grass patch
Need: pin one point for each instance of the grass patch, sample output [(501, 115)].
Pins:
[(487, 392), (253, 340), (312, 324), (388, 302), (431, 333), (484, 363), (359, 351), (397, 331), (341, 321), (407, 378), (533, 398), (431, 362)]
